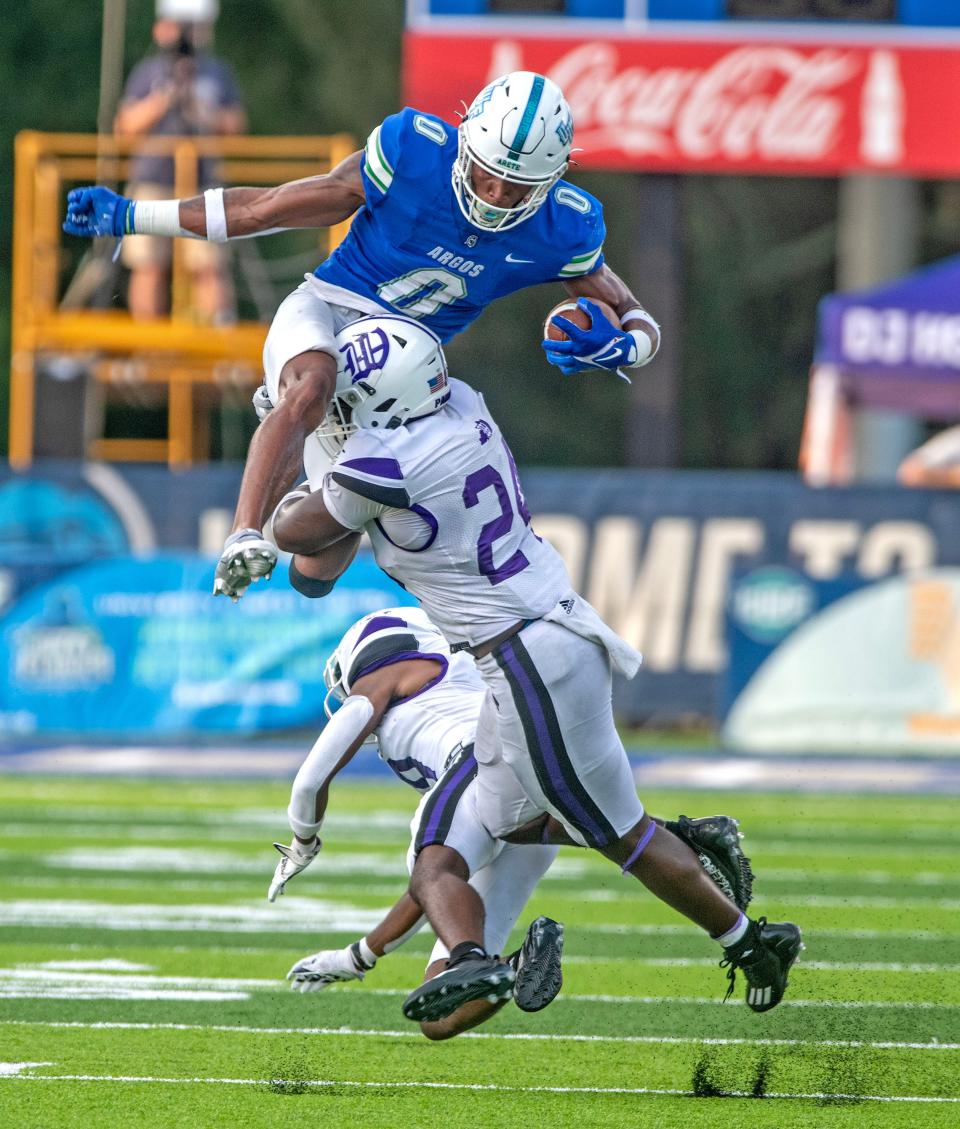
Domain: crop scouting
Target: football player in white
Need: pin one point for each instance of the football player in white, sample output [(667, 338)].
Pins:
[(393, 679), (445, 221), (422, 467)]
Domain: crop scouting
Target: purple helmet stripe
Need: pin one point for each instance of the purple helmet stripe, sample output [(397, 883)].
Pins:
[(380, 623)]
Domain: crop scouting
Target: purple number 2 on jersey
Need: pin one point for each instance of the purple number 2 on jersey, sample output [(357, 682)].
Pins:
[(485, 478)]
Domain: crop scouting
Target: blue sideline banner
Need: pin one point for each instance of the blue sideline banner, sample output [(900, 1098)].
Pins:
[(137, 647), (844, 664), (655, 552)]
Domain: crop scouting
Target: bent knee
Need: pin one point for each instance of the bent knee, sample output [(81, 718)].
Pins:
[(433, 862)]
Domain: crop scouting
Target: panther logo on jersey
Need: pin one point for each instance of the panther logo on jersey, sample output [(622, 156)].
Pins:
[(365, 353)]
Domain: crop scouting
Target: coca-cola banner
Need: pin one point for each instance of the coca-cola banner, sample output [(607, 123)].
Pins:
[(724, 106)]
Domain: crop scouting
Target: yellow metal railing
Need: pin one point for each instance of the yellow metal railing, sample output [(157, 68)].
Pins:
[(173, 352)]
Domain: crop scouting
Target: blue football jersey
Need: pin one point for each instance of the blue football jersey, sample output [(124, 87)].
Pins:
[(411, 249)]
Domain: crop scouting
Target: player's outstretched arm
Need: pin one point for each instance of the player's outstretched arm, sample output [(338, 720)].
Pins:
[(604, 345), (331, 966), (221, 214), (315, 201), (336, 746)]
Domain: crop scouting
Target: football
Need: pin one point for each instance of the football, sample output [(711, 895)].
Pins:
[(569, 309)]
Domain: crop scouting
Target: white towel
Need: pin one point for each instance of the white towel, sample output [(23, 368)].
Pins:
[(583, 619)]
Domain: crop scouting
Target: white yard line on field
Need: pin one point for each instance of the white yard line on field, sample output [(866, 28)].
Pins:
[(214, 983), (189, 818), (118, 992), (693, 930), (844, 901), (24, 983), (176, 860), (316, 915), (818, 965), (108, 964), (97, 882), (634, 1001), (414, 1033), (290, 913), (492, 1087)]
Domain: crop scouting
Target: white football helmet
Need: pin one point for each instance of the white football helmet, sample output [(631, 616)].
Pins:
[(520, 128), (390, 370), (376, 636)]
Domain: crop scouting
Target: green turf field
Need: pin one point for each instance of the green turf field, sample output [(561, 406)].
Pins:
[(141, 974)]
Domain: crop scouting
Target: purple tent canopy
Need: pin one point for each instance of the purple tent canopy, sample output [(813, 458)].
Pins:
[(898, 345)]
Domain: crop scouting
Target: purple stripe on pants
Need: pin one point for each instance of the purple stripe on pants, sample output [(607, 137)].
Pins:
[(446, 793), (551, 755)]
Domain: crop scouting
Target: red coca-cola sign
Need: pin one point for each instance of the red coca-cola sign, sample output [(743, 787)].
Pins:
[(691, 105)]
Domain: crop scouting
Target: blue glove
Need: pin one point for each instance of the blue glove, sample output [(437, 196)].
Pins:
[(98, 211), (601, 346)]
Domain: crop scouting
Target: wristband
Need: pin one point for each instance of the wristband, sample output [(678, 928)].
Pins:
[(159, 217), (242, 535), (216, 215), (363, 954), (645, 347)]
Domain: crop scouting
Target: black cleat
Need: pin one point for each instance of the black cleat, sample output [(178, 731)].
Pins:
[(477, 978), (764, 955), (716, 841), (537, 964)]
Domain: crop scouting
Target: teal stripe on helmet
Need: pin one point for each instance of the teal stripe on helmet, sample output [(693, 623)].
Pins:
[(527, 120)]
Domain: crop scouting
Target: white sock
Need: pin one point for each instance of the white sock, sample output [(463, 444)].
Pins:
[(735, 933)]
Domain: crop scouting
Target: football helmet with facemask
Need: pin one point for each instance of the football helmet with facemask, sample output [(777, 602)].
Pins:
[(373, 638), (390, 370), (520, 128)]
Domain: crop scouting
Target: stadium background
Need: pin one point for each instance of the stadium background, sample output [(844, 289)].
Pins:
[(800, 646)]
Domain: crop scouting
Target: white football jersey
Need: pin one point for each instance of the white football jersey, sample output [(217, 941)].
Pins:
[(442, 503), (418, 735)]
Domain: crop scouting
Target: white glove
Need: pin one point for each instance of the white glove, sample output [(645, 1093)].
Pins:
[(262, 404), (296, 857), (246, 556), (319, 971)]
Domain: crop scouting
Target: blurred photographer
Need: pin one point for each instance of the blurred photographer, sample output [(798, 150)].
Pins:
[(179, 90)]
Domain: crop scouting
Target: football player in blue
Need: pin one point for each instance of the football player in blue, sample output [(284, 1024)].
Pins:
[(445, 221)]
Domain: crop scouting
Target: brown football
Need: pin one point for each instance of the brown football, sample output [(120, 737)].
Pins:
[(569, 309)]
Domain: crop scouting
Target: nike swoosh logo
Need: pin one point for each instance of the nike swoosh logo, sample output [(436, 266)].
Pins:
[(511, 259)]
